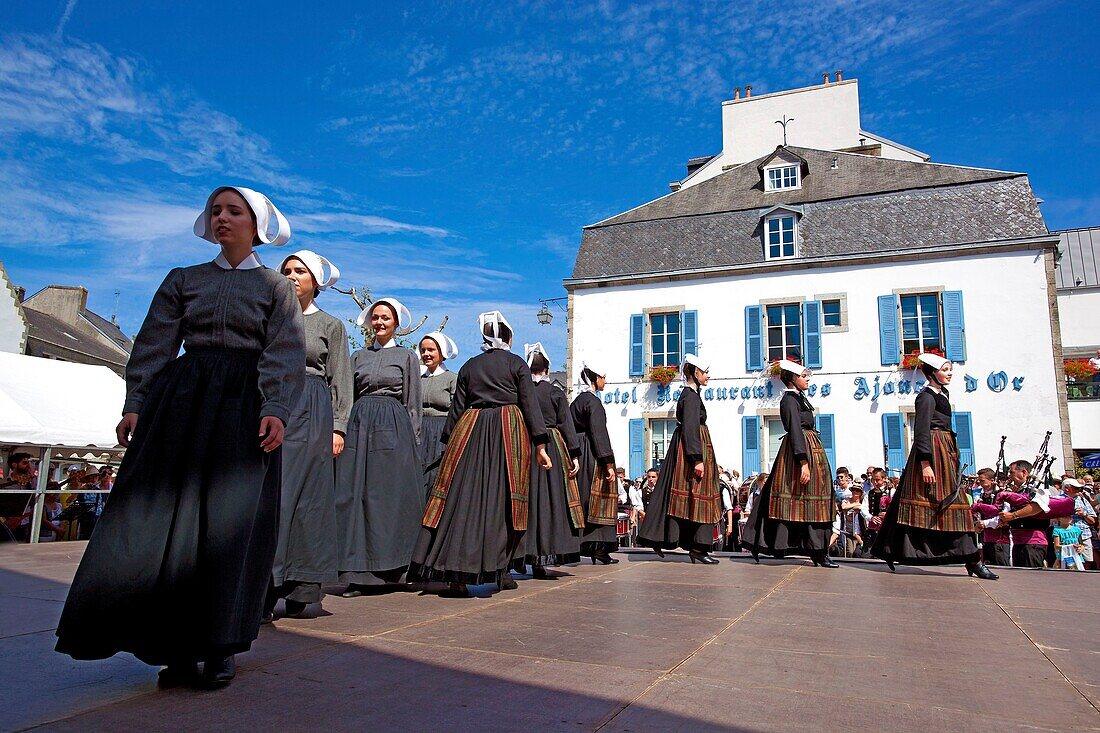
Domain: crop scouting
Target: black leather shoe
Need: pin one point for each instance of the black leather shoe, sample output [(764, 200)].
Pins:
[(890, 564), (219, 672), (981, 571), (538, 571), (455, 590), (178, 675), (507, 582), (295, 609), (828, 562), (353, 591), (660, 553), (702, 557), (604, 557)]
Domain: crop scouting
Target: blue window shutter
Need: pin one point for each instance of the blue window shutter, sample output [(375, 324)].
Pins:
[(637, 345), (811, 334), (637, 447), (754, 339), (889, 346), (954, 326), (964, 435), (689, 330), (750, 444), (893, 436), (824, 424)]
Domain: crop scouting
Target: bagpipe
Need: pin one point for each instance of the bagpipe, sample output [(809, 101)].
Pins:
[(1038, 479)]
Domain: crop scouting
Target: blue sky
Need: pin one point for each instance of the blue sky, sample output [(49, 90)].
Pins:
[(449, 153)]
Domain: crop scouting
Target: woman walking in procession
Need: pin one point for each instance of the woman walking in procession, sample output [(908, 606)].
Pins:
[(555, 516), (306, 554), (596, 477), (379, 479), (793, 515), (178, 567), (685, 504), (477, 510), (437, 391), (929, 520)]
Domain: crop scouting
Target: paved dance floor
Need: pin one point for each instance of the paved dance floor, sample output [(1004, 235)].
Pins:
[(644, 645)]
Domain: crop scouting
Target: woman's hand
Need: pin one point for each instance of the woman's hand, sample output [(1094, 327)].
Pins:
[(337, 444), (271, 433), (609, 473), (575, 469), (544, 458), (804, 474), (928, 475), (125, 428), (699, 469)]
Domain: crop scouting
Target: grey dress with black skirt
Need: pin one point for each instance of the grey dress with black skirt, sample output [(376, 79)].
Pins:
[(179, 564), (379, 479), (436, 393), (590, 422), (306, 555)]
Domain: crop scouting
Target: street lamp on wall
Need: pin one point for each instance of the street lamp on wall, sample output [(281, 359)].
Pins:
[(544, 315)]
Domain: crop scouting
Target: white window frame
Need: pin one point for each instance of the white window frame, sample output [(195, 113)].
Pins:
[(778, 218), (938, 294), (650, 436), (648, 313), (782, 172), (767, 327)]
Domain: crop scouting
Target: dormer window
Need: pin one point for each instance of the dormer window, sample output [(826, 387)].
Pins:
[(783, 177), (780, 236)]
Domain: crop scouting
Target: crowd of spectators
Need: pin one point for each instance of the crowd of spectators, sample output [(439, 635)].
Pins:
[(1072, 543), (70, 508)]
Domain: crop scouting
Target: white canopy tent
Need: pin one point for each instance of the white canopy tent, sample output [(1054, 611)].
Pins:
[(56, 403)]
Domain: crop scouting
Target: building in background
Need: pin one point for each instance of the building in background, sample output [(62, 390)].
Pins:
[(854, 258), (1078, 282), (13, 324), (61, 327)]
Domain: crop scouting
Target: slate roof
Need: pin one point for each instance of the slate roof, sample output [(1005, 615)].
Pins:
[(50, 335), (108, 329), (1080, 263), (865, 204)]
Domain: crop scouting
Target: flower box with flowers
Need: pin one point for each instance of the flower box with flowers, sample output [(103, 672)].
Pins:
[(1079, 370), (910, 360), (663, 375)]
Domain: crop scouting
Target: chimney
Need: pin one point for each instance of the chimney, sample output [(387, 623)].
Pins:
[(737, 93), (825, 78), (748, 91), (840, 75), (20, 293)]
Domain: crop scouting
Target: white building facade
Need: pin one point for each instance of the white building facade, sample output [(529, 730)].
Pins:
[(1078, 282), (851, 262)]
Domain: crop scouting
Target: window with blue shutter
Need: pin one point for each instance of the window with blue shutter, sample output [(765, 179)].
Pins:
[(750, 445), (754, 340), (690, 328), (811, 334), (824, 424), (893, 437), (964, 435), (954, 327), (889, 348), (637, 447), (637, 345)]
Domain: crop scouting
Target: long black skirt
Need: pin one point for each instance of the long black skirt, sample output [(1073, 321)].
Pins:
[(431, 449), (306, 553), (658, 528), (908, 545), (180, 561), (474, 541), (594, 536), (551, 538), (379, 492), (782, 537)]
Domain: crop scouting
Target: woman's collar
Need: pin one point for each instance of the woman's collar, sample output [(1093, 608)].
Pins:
[(248, 263), (311, 309)]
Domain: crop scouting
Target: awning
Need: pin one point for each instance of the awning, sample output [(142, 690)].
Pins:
[(48, 402)]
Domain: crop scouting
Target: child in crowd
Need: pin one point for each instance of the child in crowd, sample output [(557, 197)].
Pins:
[(1067, 544)]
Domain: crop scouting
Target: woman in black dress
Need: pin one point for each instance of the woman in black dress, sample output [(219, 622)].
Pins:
[(178, 567), (379, 478), (929, 521), (477, 510), (793, 515), (685, 504), (437, 390), (555, 516), (596, 477), (306, 554)]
